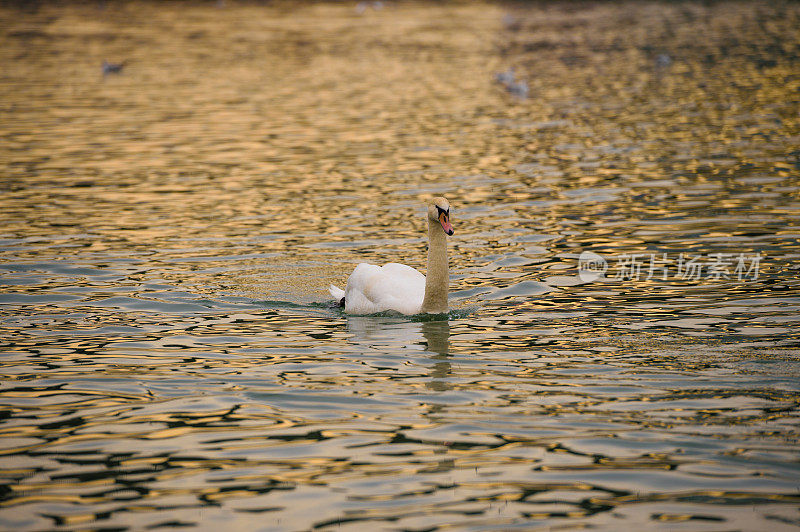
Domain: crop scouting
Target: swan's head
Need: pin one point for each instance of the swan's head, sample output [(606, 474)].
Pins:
[(439, 211)]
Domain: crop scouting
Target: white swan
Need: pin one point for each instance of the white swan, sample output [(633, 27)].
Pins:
[(401, 288)]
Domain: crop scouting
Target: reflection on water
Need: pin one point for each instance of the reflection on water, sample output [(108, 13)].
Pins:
[(169, 231)]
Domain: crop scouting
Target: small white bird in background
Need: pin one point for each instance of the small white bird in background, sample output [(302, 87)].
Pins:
[(505, 78), (509, 81), (519, 89), (112, 68), (663, 60)]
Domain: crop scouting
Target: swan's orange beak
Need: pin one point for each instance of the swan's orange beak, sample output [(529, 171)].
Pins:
[(444, 219)]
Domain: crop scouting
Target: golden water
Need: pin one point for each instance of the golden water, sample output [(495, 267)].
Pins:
[(169, 354)]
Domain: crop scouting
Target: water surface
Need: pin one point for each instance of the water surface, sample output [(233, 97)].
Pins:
[(169, 354)]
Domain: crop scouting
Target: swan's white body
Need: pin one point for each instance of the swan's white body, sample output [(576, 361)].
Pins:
[(372, 289), (397, 287)]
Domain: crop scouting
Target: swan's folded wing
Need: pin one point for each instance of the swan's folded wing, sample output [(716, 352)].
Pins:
[(406, 273), (403, 288), (360, 290), (394, 286)]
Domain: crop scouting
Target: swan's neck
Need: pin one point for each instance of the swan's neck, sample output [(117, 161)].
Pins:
[(437, 278)]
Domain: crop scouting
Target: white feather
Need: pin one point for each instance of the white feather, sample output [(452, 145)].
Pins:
[(372, 289), (336, 292)]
